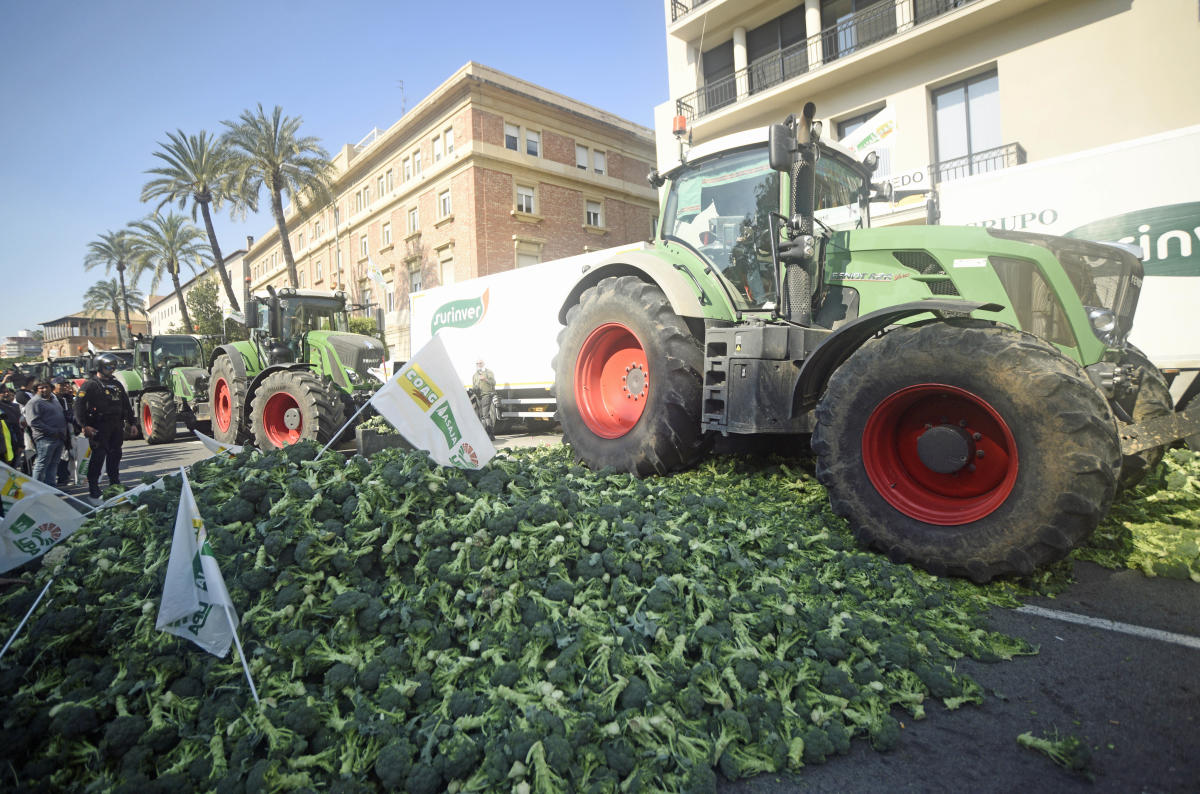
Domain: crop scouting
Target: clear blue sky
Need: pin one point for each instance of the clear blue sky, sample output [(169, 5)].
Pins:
[(88, 89)]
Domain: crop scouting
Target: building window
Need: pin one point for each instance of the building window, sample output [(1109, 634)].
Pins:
[(362, 246), (417, 163), (437, 148), (320, 272), (581, 157), (408, 172), (599, 161), (391, 301), (850, 25), (511, 133), (525, 199), (525, 260), (414, 220), (391, 181), (848, 126), (379, 185), (967, 122), (449, 136), (533, 142), (316, 230), (414, 280), (300, 241), (594, 216), (387, 234), (444, 208), (302, 274), (359, 202), (446, 271)]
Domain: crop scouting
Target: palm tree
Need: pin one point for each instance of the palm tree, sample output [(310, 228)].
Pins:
[(108, 296), (163, 244), (115, 251), (196, 167), (269, 154)]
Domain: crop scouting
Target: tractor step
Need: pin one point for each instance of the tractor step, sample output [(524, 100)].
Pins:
[(1161, 431)]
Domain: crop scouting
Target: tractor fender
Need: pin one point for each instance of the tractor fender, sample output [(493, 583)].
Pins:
[(687, 296), (839, 345), (235, 358), (253, 385)]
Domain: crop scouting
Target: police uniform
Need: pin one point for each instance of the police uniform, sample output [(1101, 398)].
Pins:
[(103, 404)]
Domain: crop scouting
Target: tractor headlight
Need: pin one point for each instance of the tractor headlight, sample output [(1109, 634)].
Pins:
[(1104, 323)]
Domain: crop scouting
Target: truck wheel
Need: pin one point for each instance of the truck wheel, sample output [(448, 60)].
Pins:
[(226, 396), (157, 417), (1153, 399), (967, 449), (290, 406), (628, 382)]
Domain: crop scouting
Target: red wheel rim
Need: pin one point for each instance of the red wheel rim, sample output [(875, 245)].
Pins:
[(895, 466), (612, 380), (282, 421), (147, 421), (222, 405)]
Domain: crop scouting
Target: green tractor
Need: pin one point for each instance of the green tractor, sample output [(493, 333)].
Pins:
[(301, 375), (167, 381), (969, 393)]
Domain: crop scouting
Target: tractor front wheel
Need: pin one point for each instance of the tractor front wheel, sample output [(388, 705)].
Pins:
[(290, 406), (226, 396), (157, 417), (1152, 400), (628, 380), (967, 449)]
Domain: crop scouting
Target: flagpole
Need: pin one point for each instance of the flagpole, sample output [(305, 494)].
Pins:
[(241, 655), (27, 614), (349, 421)]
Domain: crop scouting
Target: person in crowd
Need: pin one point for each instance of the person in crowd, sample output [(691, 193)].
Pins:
[(24, 389), (64, 393), (10, 415), (483, 380), (48, 424), (102, 409)]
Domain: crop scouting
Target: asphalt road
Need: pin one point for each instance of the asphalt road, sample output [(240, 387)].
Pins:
[(1135, 697)]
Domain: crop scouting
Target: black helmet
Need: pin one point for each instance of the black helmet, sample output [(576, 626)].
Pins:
[(105, 360)]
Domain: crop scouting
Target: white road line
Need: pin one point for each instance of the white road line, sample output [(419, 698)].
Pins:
[(1112, 625)]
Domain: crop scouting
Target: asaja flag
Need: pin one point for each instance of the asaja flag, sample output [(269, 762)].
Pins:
[(35, 518), (375, 274), (194, 595), (426, 402), (217, 447), (81, 456)]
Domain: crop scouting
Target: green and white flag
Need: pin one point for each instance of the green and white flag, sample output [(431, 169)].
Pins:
[(195, 604), (427, 404), (217, 447), (35, 518)]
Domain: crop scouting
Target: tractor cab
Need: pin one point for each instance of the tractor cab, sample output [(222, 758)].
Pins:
[(157, 357)]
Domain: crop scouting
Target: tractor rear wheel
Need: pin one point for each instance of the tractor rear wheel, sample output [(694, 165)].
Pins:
[(157, 417), (628, 380), (967, 449), (1153, 399), (291, 406), (226, 396)]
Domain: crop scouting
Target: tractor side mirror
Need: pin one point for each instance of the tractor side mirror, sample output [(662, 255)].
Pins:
[(781, 144)]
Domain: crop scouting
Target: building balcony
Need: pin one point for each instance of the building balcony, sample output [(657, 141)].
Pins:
[(680, 8), (1006, 156), (849, 36)]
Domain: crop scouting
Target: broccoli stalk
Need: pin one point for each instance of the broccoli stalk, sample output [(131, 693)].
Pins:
[(1069, 752)]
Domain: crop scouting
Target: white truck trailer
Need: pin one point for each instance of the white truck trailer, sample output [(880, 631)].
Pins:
[(510, 321), (1145, 192)]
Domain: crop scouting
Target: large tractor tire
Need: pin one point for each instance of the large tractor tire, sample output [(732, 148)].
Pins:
[(157, 416), (1153, 399), (628, 380), (226, 396), (291, 406), (966, 449)]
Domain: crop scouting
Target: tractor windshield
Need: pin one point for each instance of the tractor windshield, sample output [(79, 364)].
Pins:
[(839, 185), (301, 315), (719, 206)]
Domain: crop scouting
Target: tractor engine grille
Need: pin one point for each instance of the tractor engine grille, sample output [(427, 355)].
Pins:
[(359, 353), (1103, 276), (926, 265)]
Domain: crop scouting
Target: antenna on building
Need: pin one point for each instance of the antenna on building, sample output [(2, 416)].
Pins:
[(403, 99)]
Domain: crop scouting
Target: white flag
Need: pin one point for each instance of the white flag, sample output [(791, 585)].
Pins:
[(125, 496), (15, 486), (81, 456), (375, 274), (217, 447), (91, 347), (237, 317), (426, 402), (33, 525), (194, 595)]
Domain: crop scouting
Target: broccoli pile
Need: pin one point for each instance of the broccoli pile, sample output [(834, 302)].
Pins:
[(530, 627)]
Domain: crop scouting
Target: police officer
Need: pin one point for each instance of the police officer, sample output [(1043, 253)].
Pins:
[(102, 409)]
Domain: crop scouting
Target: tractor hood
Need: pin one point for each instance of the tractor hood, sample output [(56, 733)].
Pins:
[(347, 358)]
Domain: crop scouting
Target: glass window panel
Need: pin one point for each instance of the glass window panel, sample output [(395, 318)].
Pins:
[(950, 115)]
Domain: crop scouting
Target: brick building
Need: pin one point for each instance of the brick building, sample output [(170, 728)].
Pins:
[(69, 336), (486, 174)]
